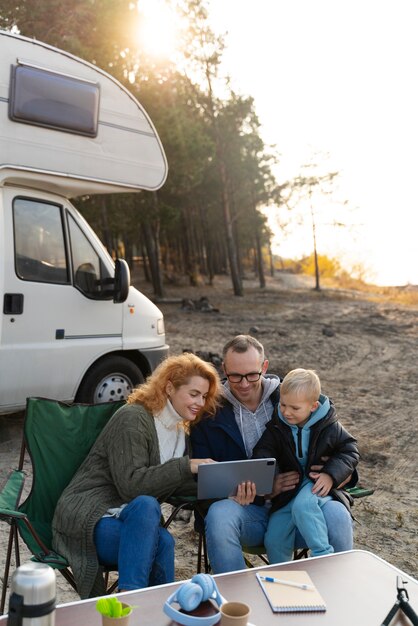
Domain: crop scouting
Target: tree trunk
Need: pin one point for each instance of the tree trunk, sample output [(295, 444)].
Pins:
[(145, 262), (317, 285), (152, 243), (230, 242), (229, 234), (271, 260), (260, 265), (106, 237)]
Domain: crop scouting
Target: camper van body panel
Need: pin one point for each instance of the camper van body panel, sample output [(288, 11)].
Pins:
[(68, 129), (126, 154), (46, 349)]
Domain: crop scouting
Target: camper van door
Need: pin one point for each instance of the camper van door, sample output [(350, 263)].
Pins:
[(55, 321)]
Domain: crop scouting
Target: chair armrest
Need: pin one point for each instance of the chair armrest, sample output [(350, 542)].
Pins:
[(10, 494), (359, 492), (53, 559)]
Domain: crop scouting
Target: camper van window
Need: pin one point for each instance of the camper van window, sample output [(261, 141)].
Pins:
[(89, 274), (40, 253), (45, 98)]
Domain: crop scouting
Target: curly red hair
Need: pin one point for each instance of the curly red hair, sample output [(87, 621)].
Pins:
[(178, 370)]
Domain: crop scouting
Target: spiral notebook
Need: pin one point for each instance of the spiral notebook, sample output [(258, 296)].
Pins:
[(287, 598)]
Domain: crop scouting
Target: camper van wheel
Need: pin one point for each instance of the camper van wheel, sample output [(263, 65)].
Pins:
[(109, 380)]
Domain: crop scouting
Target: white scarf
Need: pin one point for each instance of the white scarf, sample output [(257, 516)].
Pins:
[(170, 432)]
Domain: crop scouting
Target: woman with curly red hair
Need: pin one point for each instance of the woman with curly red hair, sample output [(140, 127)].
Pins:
[(109, 515)]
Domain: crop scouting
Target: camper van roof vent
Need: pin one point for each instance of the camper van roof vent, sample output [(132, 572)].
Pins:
[(45, 98)]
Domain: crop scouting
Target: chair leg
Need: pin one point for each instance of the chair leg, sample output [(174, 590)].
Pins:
[(205, 555), (16, 542), (301, 553), (202, 550), (199, 553), (109, 588), (13, 539), (68, 577), (112, 587), (174, 512)]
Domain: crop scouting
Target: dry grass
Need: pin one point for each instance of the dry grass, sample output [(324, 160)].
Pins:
[(406, 295)]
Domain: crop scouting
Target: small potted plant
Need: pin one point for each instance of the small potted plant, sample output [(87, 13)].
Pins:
[(113, 611)]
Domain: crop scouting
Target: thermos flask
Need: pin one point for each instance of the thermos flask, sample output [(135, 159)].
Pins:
[(32, 596)]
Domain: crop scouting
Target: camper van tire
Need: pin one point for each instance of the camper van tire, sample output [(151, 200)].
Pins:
[(111, 379)]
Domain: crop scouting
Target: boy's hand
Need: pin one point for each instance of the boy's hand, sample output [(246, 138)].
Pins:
[(323, 485), (314, 474)]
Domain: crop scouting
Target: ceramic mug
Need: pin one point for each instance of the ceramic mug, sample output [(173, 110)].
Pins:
[(234, 614)]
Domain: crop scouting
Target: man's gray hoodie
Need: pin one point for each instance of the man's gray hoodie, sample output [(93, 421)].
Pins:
[(252, 424)]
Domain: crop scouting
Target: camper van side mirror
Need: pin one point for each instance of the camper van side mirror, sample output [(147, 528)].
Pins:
[(122, 281)]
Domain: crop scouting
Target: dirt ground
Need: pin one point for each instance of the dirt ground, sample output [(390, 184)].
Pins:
[(365, 351)]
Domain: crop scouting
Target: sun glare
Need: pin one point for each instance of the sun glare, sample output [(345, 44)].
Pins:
[(158, 28)]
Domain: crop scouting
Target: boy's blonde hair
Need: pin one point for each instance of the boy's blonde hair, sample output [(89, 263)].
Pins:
[(302, 382), (178, 370)]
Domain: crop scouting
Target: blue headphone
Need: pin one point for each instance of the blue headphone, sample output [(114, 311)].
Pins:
[(202, 587)]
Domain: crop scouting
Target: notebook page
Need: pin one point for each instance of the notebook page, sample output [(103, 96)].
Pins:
[(287, 599)]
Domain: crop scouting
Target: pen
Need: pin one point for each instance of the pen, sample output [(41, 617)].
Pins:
[(269, 579)]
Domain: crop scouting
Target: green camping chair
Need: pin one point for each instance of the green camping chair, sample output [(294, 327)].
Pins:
[(58, 437)]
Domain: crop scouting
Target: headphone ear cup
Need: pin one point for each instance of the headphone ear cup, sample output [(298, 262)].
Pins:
[(206, 582), (189, 596)]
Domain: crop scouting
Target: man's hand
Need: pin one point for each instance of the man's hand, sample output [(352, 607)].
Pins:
[(246, 493), (323, 485), (315, 473), (284, 482)]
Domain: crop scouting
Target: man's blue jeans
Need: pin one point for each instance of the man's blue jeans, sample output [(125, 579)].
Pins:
[(229, 526), (137, 543)]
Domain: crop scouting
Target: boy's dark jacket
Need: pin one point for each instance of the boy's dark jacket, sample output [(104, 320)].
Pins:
[(327, 438)]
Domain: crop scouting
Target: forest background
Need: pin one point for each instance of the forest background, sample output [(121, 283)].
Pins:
[(210, 217)]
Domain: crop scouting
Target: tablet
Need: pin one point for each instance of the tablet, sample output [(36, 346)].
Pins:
[(220, 480)]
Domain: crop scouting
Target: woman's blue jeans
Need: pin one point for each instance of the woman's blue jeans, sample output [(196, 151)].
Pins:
[(137, 544)]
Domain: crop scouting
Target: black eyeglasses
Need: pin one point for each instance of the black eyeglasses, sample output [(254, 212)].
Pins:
[(251, 377)]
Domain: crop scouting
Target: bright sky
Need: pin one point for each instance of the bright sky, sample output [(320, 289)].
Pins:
[(338, 77)]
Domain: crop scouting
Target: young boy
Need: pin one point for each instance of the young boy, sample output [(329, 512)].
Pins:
[(305, 429)]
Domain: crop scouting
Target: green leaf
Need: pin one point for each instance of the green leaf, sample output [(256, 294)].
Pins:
[(112, 607), (126, 610), (102, 605), (116, 607)]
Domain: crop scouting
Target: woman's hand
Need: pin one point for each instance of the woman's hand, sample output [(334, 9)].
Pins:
[(194, 464), (246, 493)]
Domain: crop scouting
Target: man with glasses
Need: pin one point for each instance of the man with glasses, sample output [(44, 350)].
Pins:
[(250, 396)]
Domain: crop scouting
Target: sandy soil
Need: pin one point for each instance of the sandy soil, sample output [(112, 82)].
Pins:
[(365, 352)]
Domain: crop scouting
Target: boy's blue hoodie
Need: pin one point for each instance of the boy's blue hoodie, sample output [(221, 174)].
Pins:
[(322, 436), (302, 434)]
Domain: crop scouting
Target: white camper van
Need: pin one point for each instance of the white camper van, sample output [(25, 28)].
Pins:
[(71, 326)]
